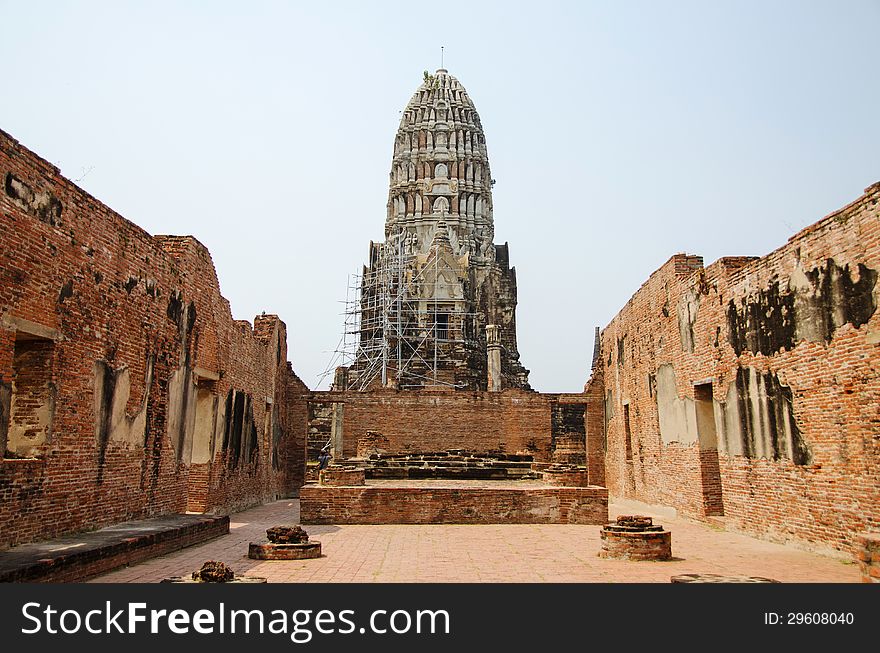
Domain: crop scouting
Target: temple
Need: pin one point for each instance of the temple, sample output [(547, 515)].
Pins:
[(744, 394), (437, 285)]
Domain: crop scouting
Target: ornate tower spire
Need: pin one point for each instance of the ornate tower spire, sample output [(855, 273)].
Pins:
[(440, 169), (437, 281)]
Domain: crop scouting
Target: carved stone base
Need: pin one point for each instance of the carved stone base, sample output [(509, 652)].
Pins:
[(270, 551)]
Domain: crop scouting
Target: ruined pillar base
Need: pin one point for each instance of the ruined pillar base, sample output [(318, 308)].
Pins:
[(868, 556), (635, 538), (271, 551)]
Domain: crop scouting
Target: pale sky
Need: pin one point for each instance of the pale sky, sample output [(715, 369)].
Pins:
[(619, 133)]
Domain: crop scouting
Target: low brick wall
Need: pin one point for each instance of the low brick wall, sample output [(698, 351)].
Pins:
[(868, 554), (442, 505), (101, 552)]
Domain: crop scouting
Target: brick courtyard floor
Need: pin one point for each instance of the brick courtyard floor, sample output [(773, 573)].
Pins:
[(486, 553)]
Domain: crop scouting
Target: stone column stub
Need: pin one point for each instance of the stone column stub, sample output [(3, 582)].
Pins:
[(493, 355)]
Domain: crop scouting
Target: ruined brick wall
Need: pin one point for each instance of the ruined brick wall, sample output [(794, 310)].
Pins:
[(121, 368), (750, 389), (253, 468), (424, 421), (295, 456), (594, 427), (868, 556), (320, 420)]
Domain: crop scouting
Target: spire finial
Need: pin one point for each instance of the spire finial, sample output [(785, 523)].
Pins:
[(441, 57)]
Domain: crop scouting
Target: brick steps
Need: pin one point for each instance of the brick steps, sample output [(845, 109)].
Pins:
[(451, 465), (73, 558), (440, 462), (439, 472), (456, 454)]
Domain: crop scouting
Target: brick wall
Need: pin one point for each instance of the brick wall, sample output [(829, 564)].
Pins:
[(118, 353), (753, 385), (424, 421)]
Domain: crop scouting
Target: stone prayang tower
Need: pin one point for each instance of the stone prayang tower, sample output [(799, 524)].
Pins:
[(438, 281)]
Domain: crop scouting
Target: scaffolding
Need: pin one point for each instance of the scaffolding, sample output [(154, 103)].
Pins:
[(400, 328)]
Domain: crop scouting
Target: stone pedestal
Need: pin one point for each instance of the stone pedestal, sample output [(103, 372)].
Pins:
[(285, 543), (493, 358), (635, 538), (273, 551)]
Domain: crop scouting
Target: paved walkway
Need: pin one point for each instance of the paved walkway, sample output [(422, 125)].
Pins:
[(490, 553)]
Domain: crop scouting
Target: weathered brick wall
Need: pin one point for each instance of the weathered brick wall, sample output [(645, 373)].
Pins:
[(294, 458), (138, 353), (595, 427), (424, 421), (320, 421), (752, 386)]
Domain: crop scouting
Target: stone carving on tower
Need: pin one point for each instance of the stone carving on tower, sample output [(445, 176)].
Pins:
[(436, 282)]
